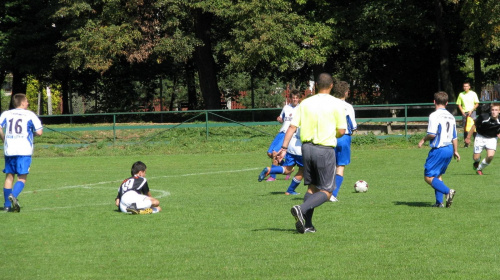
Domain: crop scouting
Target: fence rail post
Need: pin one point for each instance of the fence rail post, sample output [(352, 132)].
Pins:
[(206, 123)]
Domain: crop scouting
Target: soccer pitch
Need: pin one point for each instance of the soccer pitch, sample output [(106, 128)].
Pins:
[(218, 222)]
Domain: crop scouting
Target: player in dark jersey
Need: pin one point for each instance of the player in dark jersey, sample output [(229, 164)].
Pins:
[(487, 126), (134, 196)]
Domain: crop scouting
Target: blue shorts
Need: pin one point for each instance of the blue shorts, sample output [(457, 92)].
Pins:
[(18, 165), (291, 160), (343, 150), (437, 161), (277, 143)]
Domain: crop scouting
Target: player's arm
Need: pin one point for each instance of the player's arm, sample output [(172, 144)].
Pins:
[(427, 137), (456, 155), (288, 136), (2, 135), (39, 132), (471, 131)]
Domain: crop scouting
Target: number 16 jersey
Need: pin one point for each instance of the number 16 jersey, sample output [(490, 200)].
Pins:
[(19, 126)]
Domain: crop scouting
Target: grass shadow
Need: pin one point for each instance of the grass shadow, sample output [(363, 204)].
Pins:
[(413, 203), (276, 229)]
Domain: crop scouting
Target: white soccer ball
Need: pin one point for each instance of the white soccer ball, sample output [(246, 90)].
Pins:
[(361, 186)]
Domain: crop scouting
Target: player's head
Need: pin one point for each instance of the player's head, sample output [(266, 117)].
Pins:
[(19, 99), (324, 81), (495, 110), (466, 86), (295, 95), (137, 167), (340, 89), (441, 98)]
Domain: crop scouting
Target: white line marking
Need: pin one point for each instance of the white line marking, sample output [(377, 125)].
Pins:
[(91, 185)]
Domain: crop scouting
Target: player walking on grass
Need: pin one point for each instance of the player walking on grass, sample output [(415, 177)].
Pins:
[(21, 125), (321, 119), (285, 118), (134, 196), (488, 130), (343, 148), (442, 134)]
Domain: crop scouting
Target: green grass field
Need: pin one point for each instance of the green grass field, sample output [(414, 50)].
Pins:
[(218, 222)]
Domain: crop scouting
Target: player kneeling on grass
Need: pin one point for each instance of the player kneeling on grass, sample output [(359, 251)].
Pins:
[(488, 129), (134, 196)]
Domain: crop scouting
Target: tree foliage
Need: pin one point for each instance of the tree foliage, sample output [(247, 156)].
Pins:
[(115, 52)]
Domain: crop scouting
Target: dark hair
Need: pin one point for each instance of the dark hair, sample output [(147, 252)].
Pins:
[(494, 105), (295, 92), (441, 98), (324, 81), (138, 166), (17, 99), (340, 88)]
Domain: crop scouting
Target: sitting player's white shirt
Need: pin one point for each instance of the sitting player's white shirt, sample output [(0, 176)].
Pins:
[(19, 127), (295, 145)]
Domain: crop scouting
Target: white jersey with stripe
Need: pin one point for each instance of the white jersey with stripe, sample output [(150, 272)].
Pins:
[(442, 125), (287, 116), (351, 121), (295, 145), (19, 124)]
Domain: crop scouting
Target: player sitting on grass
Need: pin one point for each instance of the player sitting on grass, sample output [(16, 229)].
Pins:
[(488, 129), (134, 196)]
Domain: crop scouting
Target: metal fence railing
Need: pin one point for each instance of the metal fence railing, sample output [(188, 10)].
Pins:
[(384, 114)]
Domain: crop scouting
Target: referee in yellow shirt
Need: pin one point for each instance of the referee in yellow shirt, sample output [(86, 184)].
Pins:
[(322, 120)]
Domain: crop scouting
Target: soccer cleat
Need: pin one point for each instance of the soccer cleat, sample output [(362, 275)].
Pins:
[(466, 145), (264, 174), (449, 198), (299, 218), (6, 209), (475, 165), (333, 199), (15, 203), (292, 193), (270, 179), (310, 230), (287, 177), (136, 211), (479, 172), (438, 205)]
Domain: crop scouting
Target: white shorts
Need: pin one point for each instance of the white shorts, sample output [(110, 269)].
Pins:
[(481, 143), (141, 201)]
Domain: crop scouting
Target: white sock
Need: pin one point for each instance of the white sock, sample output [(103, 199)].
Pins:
[(482, 165)]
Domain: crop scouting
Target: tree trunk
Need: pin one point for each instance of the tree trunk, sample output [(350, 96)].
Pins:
[(3, 74), (205, 61), (65, 96), (191, 86), (478, 74), (18, 85), (444, 52)]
